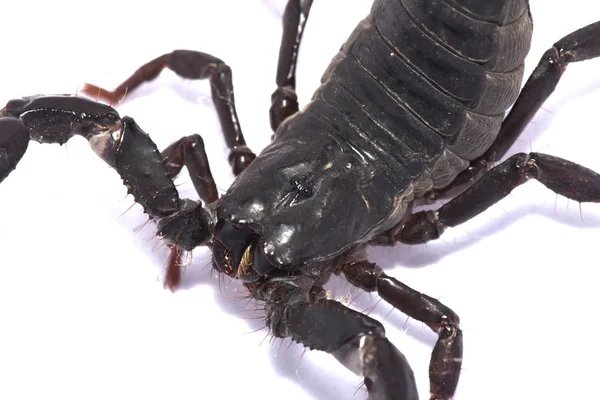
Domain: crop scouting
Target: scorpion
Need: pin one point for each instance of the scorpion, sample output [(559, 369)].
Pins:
[(301, 294)]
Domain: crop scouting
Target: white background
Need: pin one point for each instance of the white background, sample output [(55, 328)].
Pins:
[(83, 314)]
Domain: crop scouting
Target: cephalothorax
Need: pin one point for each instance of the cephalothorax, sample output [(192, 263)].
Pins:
[(410, 110)]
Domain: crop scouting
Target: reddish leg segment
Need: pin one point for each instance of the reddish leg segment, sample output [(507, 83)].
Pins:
[(193, 65), (446, 358)]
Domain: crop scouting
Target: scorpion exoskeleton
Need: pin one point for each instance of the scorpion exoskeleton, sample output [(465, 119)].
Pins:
[(411, 110)]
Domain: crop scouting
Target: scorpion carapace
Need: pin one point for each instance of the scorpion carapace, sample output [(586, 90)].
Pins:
[(307, 183), (410, 110)]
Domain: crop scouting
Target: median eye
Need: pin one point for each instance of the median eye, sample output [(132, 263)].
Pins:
[(301, 187)]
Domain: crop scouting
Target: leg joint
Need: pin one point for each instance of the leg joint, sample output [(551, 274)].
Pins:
[(362, 274)]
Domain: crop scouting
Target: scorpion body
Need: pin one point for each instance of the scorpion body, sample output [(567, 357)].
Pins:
[(425, 128), (345, 165)]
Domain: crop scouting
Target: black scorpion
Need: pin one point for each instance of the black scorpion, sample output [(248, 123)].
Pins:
[(440, 106)]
